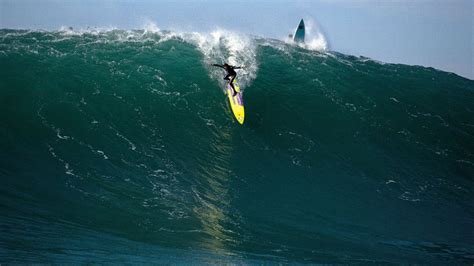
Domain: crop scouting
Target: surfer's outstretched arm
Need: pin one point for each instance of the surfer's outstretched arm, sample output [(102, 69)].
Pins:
[(239, 67), (217, 65)]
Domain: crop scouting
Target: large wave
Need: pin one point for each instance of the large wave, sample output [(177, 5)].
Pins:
[(125, 136)]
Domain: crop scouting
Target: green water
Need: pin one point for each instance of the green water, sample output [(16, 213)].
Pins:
[(119, 146)]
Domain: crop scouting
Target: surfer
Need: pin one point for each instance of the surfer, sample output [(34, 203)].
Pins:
[(231, 74)]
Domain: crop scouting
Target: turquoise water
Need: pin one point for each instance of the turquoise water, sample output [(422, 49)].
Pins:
[(119, 146)]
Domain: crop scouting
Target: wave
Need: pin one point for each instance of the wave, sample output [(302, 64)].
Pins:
[(126, 134)]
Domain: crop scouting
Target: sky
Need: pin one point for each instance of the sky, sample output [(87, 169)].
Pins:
[(434, 33)]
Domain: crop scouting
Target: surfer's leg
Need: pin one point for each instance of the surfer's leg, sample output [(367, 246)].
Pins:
[(231, 82), (227, 77)]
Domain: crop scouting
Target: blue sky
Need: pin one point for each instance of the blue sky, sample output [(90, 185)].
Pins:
[(436, 33)]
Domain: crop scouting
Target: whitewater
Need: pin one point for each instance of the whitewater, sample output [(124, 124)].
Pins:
[(118, 146)]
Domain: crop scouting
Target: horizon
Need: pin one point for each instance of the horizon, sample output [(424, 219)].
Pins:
[(430, 33)]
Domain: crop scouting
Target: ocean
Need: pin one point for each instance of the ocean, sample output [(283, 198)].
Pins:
[(119, 146)]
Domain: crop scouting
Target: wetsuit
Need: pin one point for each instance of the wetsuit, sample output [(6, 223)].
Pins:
[(231, 74)]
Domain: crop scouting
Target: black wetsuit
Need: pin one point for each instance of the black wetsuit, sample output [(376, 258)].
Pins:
[(231, 74)]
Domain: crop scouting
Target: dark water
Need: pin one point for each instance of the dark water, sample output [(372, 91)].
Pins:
[(119, 146)]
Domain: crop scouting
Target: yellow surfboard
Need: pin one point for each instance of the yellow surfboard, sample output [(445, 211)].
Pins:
[(236, 102)]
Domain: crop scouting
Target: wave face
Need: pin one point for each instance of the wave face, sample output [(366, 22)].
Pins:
[(119, 146)]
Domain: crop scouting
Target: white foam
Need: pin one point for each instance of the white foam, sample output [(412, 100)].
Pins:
[(394, 99), (223, 46), (151, 27), (318, 43), (69, 31), (314, 37), (218, 46)]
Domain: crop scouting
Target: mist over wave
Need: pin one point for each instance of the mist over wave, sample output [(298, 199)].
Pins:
[(314, 37), (119, 146)]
